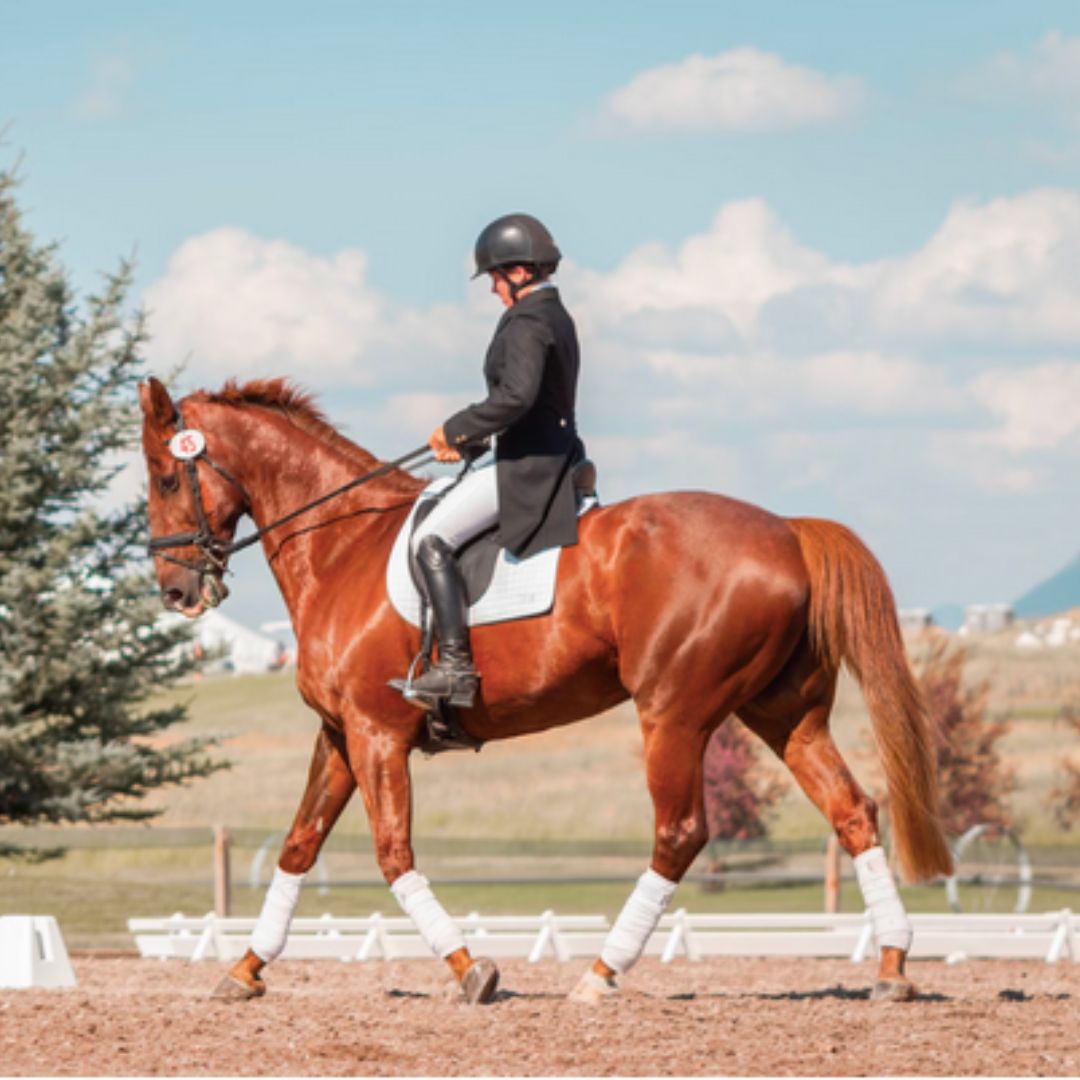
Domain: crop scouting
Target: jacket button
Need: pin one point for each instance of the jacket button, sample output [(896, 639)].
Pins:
[(562, 423)]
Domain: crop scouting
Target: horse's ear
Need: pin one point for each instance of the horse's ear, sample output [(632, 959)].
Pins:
[(156, 404)]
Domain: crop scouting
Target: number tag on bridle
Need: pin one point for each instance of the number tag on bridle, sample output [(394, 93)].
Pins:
[(187, 444)]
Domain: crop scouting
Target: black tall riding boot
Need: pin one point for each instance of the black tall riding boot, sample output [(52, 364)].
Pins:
[(452, 677)]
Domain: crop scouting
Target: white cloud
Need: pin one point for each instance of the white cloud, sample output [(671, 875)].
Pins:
[(767, 336), (237, 304), (1007, 270), (976, 458), (872, 383), (743, 90), (765, 385), (1039, 408), (666, 458), (1033, 441), (232, 303), (1048, 73), (1002, 272), (746, 258)]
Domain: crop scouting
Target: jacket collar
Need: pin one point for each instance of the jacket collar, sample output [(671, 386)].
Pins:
[(537, 296)]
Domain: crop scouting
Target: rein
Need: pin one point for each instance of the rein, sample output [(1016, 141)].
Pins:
[(190, 447)]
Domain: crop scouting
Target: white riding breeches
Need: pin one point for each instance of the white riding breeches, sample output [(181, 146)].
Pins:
[(468, 509)]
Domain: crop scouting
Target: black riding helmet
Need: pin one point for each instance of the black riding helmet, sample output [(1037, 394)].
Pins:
[(516, 240)]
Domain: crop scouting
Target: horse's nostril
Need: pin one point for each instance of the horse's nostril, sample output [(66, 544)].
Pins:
[(173, 598)]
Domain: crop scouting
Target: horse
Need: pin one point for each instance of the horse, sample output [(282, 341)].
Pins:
[(694, 605)]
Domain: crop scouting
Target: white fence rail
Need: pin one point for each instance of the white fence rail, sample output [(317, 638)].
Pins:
[(1051, 936), (371, 937)]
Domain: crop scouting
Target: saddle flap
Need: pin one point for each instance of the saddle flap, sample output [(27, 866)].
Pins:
[(500, 586)]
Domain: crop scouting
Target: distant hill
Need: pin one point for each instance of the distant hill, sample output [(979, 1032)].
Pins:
[(1058, 593)]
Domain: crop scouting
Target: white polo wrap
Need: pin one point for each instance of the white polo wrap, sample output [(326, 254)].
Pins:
[(892, 929), (413, 892), (626, 940), (272, 930)]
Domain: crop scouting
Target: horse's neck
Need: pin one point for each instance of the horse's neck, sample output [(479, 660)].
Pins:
[(281, 468)]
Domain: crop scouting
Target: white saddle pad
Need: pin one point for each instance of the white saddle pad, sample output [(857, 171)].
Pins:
[(519, 587)]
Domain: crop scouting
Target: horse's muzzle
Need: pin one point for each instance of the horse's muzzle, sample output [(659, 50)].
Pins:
[(191, 593)]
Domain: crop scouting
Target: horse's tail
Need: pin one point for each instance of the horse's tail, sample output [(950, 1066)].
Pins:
[(853, 619)]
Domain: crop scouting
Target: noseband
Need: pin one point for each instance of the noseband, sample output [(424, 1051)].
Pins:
[(188, 446)]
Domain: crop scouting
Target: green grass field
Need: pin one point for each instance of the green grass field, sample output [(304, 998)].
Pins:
[(93, 909), (569, 803)]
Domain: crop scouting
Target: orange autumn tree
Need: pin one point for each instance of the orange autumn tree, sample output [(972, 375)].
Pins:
[(974, 781), (1064, 800)]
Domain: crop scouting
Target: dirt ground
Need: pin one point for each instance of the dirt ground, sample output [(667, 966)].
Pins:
[(717, 1017)]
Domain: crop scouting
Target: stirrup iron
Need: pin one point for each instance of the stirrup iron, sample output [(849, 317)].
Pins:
[(405, 686)]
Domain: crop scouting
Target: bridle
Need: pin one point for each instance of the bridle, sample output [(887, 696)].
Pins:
[(189, 447)]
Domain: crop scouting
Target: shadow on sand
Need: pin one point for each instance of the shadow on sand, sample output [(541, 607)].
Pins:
[(837, 993)]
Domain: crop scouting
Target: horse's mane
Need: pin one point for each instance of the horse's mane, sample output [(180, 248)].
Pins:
[(298, 406)]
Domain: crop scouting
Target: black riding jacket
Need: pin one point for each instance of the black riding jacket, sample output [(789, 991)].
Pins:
[(531, 370)]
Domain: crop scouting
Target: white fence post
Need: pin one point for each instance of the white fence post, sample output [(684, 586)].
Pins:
[(864, 944), (544, 938), (675, 937), (374, 940)]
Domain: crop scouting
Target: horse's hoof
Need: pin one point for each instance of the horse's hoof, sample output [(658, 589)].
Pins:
[(480, 982), (592, 988), (233, 989), (892, 990)]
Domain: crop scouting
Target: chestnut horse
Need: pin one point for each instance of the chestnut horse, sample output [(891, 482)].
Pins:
[(695, 605)]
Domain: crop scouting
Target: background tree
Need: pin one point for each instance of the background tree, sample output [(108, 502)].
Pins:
[(739, 791), (81, 648), (1064, 799), (975, 784)]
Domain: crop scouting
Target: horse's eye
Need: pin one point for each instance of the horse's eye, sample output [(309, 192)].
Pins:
[(168, 484)]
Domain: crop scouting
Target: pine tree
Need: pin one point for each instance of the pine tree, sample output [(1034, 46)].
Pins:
[(81, 648)]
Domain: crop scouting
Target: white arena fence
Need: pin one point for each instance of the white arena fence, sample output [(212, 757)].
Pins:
[(1051, 936)]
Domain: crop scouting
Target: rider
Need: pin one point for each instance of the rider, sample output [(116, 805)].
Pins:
[(531, 369)]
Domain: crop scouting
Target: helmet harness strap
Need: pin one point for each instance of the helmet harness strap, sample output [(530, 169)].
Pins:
[(516, 287)]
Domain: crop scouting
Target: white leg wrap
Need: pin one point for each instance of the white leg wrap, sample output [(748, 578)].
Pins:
[(891, 925), (414, 894), (272, 930), (626, 940)]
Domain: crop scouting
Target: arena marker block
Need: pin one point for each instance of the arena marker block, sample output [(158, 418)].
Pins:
[(32, 953)]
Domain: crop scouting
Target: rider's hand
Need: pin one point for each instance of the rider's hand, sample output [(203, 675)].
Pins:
[(443, 451)]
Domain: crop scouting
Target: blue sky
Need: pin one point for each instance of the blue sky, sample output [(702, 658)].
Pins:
[(823, 256)]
